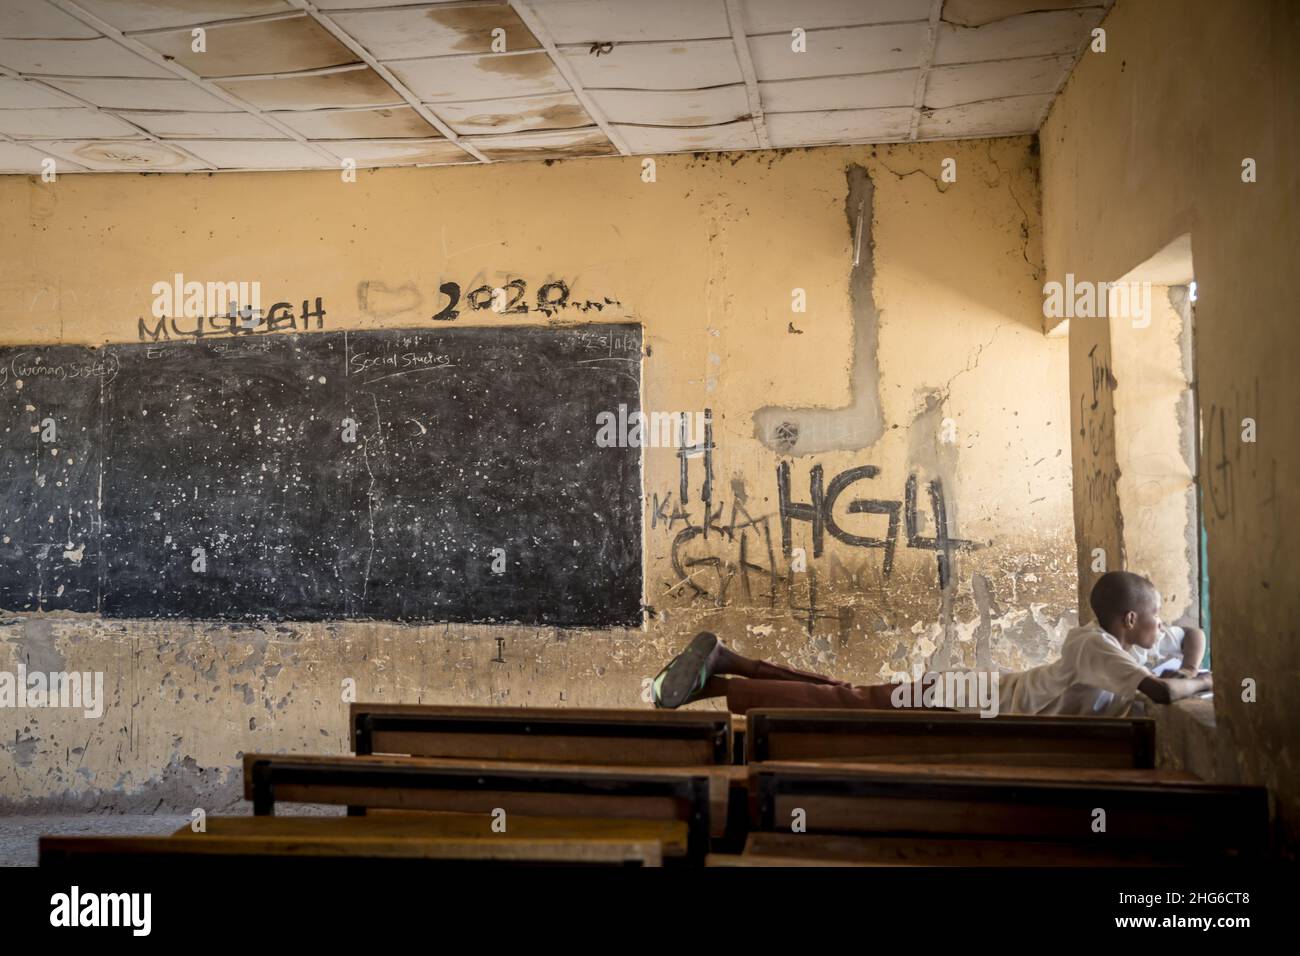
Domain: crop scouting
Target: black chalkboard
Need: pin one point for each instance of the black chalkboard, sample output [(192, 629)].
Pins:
[(409, 475)]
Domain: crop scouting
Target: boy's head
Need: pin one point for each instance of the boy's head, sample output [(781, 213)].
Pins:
[(1127, 605)]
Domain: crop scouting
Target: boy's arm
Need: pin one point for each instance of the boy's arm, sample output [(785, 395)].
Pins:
[(1193, 651), (1166, 690)]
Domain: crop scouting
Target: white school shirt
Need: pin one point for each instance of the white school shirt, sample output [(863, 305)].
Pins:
[(1094, 677), (1167, 655)]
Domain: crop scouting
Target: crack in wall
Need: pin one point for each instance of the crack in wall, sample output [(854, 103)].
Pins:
[(811, 431)]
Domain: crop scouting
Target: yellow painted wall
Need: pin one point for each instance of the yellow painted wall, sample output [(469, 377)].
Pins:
[(1146, 143), (706, 257), (1153, 420)]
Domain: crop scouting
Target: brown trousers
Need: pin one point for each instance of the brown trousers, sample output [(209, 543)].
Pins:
[(780, 686)]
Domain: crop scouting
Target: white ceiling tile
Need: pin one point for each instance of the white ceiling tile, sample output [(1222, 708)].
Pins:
[(15, 158), (451, 79), (1033, 34), (120, 156), (689, 139), (102, 57), (711, 107), (839, 126), (396, 122), (255, 154), (1005, 117), (554, 144), (363, 152), (156, 14), (368, 4), (868, 91), (287, 45), (515, 115), (360, 86), (36, 19), (614, 21), (74, 123), (972, 82), (974, 13), (126, 94), (773, 16), (202, 125), (846, 50), (28, 94), (688, 65), (407, 34)]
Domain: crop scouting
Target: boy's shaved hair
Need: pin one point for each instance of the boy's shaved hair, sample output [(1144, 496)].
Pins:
[(1118, 592)]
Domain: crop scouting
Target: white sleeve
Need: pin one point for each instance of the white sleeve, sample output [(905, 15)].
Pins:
[(1100, 663), (1170, 645)]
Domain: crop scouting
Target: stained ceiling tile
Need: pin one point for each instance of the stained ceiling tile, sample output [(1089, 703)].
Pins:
[(157, 14), (689, 139), (688, 65), (15, 158), (360, 86), (1033, 34), (370, 4), (589, 21), (454, 79), (869, 91), (839, 126), (36, 19), (515, 115), (711, 107), (555, 144), (28, 94), (845, 50), (101, 57), (436, 31), (437, 152), (74, 123), (782, 16), (974, 13), (120, 155), (143, 94), (202, 125), (287, 45), (255, 154), (1004, 117), (972, 82), (389, 122)]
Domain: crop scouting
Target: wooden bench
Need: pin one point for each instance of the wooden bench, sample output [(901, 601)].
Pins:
[(880, 736), (544, 735), (1143, 809), (248, 851), (412, 783), (805, 848)]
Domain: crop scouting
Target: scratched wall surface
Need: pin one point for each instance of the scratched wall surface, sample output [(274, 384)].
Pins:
[(1138, 151), (883, 483)]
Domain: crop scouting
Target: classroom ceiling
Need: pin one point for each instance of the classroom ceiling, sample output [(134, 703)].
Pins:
[(116, 85)]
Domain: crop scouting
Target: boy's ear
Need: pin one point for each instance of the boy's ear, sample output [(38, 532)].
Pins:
[(1130, 619)]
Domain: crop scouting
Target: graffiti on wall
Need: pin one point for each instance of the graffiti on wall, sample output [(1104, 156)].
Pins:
[(723, 553)]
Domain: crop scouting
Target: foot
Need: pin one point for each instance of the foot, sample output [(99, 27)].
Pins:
[(684, 677)]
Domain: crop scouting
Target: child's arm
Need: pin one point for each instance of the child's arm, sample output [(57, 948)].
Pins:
[(1193, 651), (1166, 690)]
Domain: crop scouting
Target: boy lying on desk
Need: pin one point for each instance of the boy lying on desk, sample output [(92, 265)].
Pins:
[(1101, 668)]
